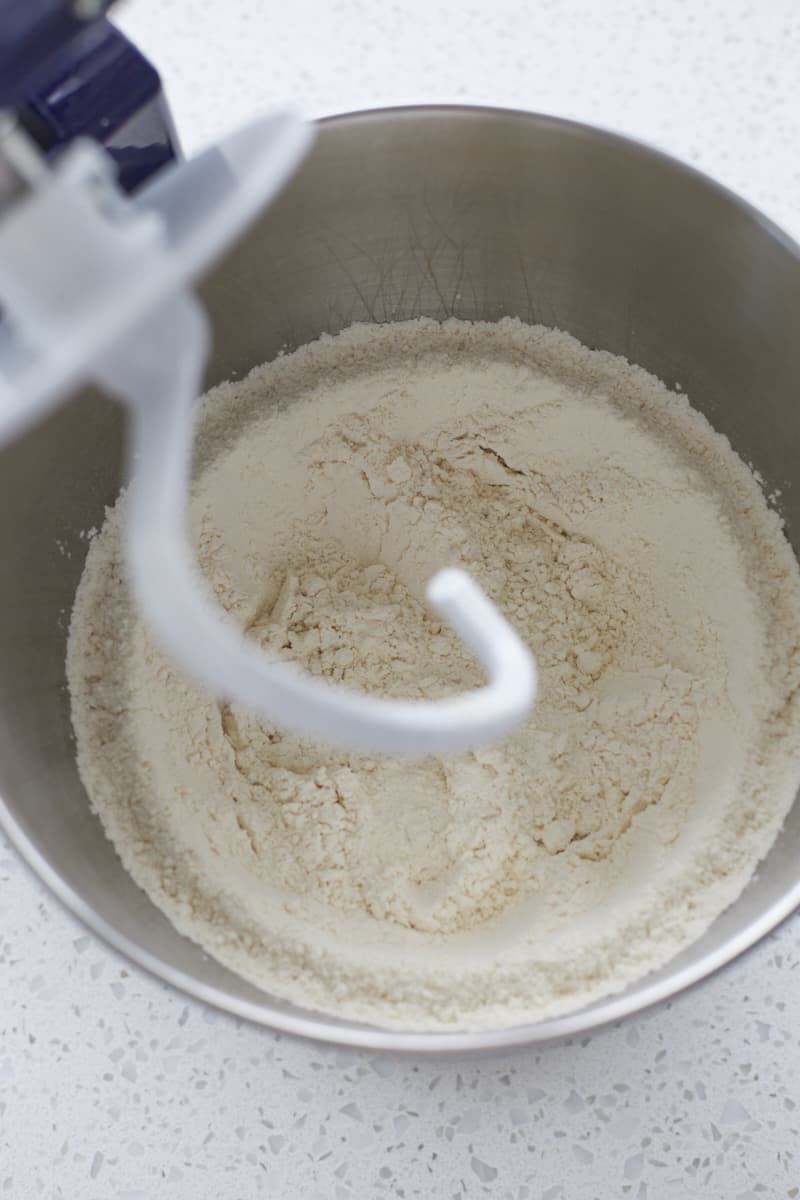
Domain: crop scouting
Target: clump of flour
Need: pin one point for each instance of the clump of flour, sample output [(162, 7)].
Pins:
[(631, 549)]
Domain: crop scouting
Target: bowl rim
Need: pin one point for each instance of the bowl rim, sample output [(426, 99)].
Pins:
[(317, 1027)]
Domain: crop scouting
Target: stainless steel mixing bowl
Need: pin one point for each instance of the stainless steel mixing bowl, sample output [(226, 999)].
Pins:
[(474, 213)]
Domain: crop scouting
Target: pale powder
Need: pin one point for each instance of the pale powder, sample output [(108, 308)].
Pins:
[(631, 549)]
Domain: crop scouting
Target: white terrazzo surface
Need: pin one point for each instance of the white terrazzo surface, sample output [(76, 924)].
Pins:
[(112, 1087)]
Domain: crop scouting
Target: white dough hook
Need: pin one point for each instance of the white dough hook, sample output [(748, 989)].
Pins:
[(145, 338)]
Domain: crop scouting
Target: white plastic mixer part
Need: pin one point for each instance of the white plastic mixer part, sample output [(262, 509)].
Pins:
[(106, 299)]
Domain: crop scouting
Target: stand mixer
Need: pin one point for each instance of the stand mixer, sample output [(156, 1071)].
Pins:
[(103, 230)]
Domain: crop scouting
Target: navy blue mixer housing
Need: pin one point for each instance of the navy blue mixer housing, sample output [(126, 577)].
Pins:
[(67, 72)]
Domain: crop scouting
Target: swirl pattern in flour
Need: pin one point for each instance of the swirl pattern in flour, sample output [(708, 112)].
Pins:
[(632, 550)]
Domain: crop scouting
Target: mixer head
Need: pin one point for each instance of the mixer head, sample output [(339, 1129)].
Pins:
[(101, 241)]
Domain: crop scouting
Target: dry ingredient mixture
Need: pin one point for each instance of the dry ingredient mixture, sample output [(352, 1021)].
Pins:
[(630, 547)]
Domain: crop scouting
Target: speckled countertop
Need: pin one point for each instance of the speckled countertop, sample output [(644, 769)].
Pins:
[(113, 1087)]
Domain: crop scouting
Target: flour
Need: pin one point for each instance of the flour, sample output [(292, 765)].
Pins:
[(631, 549)]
